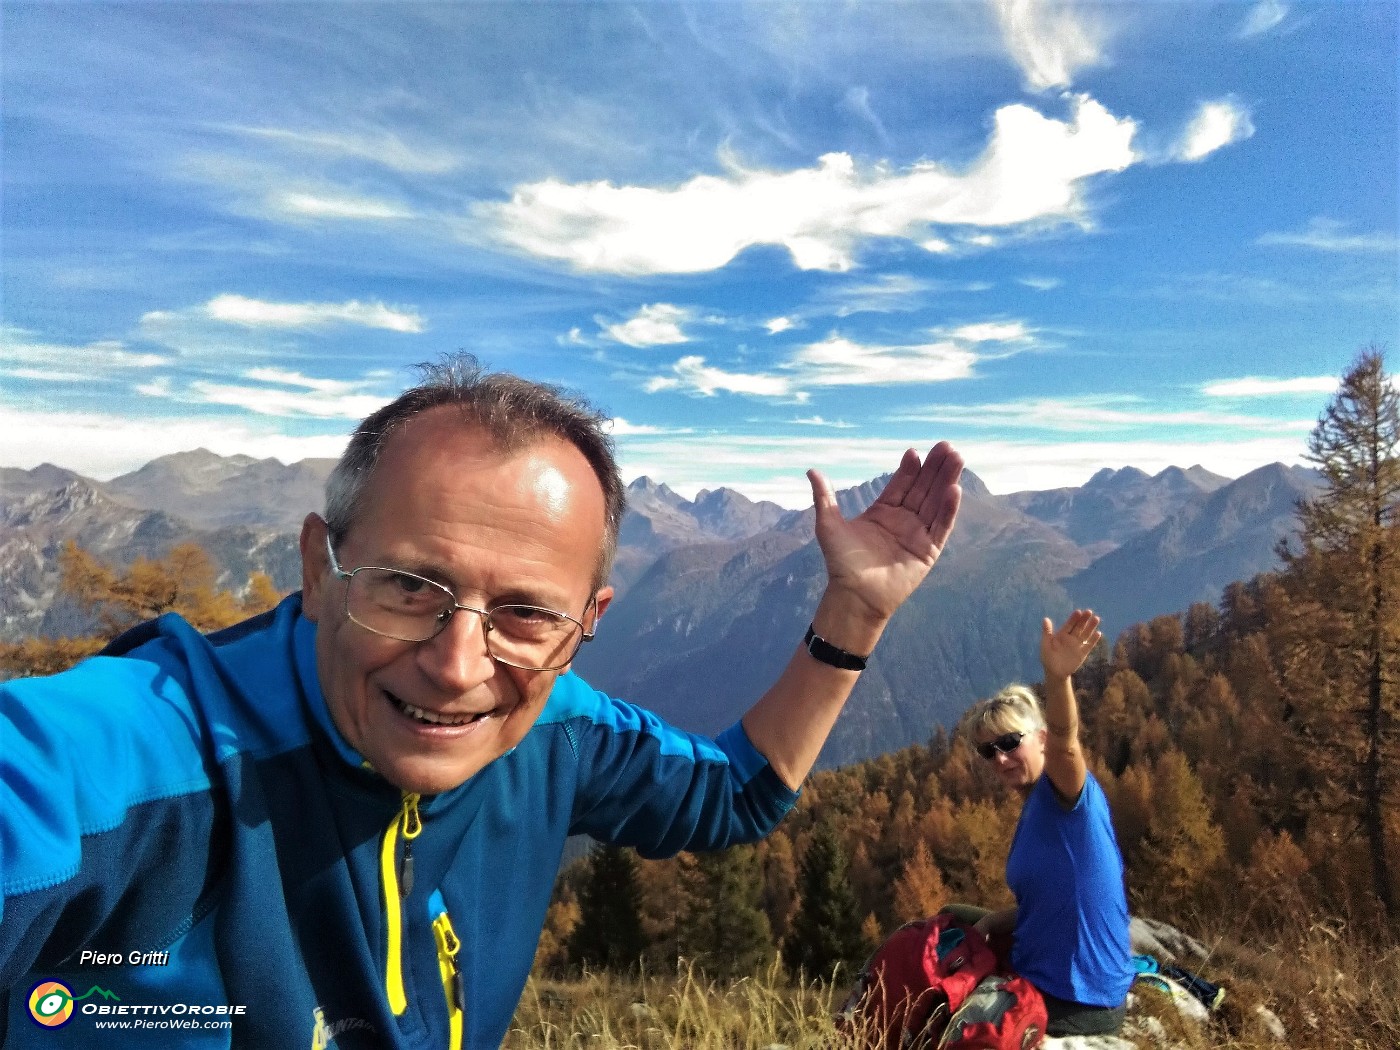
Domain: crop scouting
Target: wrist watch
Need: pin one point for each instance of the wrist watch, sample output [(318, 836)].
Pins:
[(821, 649)]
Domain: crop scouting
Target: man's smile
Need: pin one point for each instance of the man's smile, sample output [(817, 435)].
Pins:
[(436, 719)]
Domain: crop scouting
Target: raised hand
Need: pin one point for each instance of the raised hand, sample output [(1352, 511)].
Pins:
[(879, 557), (1064, 651)]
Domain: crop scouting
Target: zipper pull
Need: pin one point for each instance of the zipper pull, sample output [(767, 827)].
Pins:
[(412, 828)]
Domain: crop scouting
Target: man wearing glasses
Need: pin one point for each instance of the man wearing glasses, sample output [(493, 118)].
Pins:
[(345, 816)]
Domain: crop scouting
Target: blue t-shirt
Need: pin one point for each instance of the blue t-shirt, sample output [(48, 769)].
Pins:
[(1072, 911)]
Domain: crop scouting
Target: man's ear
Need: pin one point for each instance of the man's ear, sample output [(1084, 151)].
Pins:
[(314, 565), (601, 601)]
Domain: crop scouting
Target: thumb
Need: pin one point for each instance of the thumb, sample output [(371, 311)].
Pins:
[(823, 497), (1047, 628)]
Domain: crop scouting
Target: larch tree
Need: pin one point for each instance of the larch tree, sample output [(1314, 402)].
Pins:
[(1340, 644), (184, 582)]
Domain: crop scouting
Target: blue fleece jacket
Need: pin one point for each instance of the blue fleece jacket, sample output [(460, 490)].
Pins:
[(191, 855)]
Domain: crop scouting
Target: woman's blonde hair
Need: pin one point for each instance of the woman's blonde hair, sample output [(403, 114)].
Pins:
[(1013, 710)]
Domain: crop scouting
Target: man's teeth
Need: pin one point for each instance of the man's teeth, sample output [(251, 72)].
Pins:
[(433, 718)]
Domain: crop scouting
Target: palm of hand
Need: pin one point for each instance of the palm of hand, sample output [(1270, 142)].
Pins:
[(1063, 651), (883, 554)]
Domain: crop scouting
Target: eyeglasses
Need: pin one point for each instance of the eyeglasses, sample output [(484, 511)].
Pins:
[(1006, 743), (411, 608)]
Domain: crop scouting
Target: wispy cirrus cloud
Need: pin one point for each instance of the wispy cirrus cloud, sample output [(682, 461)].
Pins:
[(890, 293), (1097, 414), (1262, 17), (279, 392), (657, 324), (1262, 386), (1040, 284), (839, 361), (27, 357), (1215, 125), (331, 205), (1329, 235), (1049, 40), (259, 313), (380, 147), (1028, 173), (692, 375), (619, 428)]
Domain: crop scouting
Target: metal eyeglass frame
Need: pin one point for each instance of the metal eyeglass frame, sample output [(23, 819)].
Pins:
[(445, 617)]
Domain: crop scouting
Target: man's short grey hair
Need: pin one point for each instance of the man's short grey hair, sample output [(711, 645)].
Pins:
[(515, 412), (1016, 709)]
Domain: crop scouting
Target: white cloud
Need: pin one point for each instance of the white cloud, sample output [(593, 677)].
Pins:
[(1028, 173), (1040, 284), (385, 148), (857, 103), (278, 392), (1096, 414), (818, 421), (336, 206), (658, 324), (619, 427), (1329, 235), (777, 325), (764, 466), (1260, 386), (1216, 125), (1014, 466), (992, 332), (1262, 17), (102, 446), (257, 313), (691, 374), (837, 361), (886, 293), (1050, 40), (27, 357)]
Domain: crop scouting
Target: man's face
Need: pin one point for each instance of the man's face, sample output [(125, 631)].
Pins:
[(524, 527)]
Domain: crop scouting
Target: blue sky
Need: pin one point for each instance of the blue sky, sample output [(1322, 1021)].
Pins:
[(760, 236)]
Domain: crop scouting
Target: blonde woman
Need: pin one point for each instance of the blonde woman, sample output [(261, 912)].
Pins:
[(1070, 922)]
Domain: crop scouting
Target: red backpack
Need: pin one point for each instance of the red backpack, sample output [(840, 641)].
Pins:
[(1002, 1013), (908, 990)]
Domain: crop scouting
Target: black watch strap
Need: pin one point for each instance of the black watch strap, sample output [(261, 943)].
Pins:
[(827, 653)]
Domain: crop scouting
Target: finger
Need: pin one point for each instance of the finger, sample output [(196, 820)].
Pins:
[(944, 516), (932, 479), (898, 487), (823, 496), (1047, 628), (944, 468)]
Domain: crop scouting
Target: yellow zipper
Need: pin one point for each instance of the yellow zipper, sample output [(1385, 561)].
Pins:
[(447, 947), (390, 873)]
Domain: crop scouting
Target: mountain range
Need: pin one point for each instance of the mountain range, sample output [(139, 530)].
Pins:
[(716, 591)]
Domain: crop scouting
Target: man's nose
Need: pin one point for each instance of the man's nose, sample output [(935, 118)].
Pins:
[(456, 658)]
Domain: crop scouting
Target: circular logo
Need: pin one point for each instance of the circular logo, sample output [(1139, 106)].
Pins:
[(51, 1004)]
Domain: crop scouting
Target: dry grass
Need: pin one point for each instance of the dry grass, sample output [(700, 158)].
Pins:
[(605, 1012), (1331, 991)]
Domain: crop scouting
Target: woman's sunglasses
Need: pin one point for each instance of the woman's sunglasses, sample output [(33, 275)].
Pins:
[(1006, 743)]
